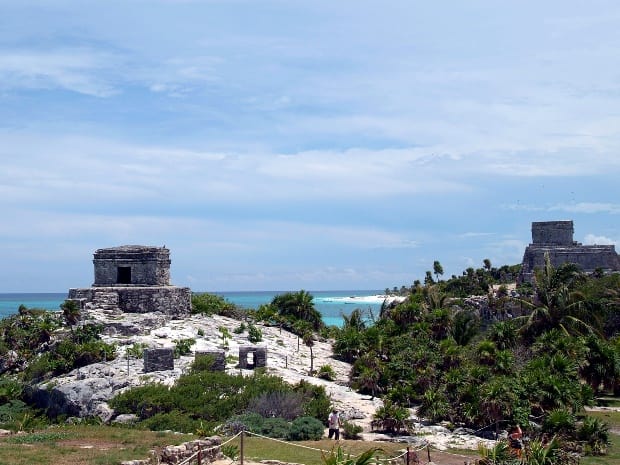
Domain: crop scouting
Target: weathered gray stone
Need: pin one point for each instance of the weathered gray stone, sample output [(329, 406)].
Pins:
[(555, 238), (251, 357), (133, 279), (126, 419), (158, 359), (104, 412), (132, 265)]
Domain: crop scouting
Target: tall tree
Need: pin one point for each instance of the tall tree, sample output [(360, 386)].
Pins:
[(437, 269)]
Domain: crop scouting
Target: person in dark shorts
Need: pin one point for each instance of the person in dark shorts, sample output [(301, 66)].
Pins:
[(334, 425)]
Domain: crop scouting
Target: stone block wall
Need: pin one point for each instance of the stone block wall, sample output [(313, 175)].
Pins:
[(552, 233), (141, 266), (158, 359), (169, 300), (259, 356), (218, 356), (555, 238)]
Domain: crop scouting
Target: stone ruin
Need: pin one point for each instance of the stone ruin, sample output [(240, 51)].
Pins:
[(556, 239), (133, 279), (251, 357), (159, 359)]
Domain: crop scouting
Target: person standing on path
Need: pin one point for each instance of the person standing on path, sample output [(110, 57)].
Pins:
[(334, 425)]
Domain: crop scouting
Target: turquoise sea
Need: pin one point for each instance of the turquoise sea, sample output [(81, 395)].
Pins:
[(331, 304)]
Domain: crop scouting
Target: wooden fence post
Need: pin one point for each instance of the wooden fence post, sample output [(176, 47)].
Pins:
[(241, 447)]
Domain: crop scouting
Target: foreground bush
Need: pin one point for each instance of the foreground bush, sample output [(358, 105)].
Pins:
[(228, 398), (306, 429)]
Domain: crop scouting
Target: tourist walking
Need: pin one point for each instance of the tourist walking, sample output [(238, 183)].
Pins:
[(333, 422)]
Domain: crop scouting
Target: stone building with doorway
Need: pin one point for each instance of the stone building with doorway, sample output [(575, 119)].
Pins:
[(133, 279), (556, 239)]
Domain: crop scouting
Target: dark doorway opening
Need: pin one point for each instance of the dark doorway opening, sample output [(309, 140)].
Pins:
[(123, 275)]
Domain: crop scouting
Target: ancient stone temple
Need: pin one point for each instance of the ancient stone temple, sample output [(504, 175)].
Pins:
[(133, 279), (556, 238)]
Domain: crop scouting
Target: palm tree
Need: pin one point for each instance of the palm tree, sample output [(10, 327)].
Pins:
[(298, 306), (437, 269), (556, 304), (71, 312)]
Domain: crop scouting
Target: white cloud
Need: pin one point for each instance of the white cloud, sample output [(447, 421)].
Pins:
[(588, 207), (76, 69), (592, 239)]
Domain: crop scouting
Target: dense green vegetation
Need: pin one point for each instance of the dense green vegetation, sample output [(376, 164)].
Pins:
[(189, 406), (534, 355), (534, 360)]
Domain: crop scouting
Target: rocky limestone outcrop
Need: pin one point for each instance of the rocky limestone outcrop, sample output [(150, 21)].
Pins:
[(85, 392)]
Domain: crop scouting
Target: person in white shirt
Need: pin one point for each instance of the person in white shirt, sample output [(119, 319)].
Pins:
[(334, 425)]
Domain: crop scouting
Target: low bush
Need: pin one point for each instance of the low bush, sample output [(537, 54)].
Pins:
[(172, 421), (254, 334), (288, 405), (327, 372), (277, 428), (351, 430), (306, 429), (183, 346)]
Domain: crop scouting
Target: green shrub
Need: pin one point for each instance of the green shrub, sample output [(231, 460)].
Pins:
[(174, 421), (183, 346), (327, 372), (246, 422), (284, 404), (239, 329), (351, 430), (208, 304), (137, 350), (595, 434), (277, 428), (254, 334), (231, 451), (316, 402), (144, 401), (306, 429), (559, 421)]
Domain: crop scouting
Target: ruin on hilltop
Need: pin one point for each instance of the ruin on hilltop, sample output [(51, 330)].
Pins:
[(133, 279), (556, 239)]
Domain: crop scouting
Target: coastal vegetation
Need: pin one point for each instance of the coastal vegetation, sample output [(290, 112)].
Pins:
[(471, 351), (535, 358)]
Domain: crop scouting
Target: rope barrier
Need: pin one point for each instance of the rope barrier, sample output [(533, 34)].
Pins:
[(229, 440), (286, 442), (325, 451), (201, 451)]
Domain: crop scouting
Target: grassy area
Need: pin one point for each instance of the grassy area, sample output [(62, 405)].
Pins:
[(613, 457), (105, 445), (83, 445), (306, 452)]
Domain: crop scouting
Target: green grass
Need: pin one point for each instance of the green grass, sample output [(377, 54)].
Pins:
[(83, 445), (613, 457)]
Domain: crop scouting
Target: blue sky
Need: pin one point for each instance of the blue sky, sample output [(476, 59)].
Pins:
[(278, 145)]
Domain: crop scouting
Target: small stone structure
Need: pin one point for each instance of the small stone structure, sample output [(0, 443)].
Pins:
[(556, 239), (133, 279), (161, 359), (219, 359), (259, 357)]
